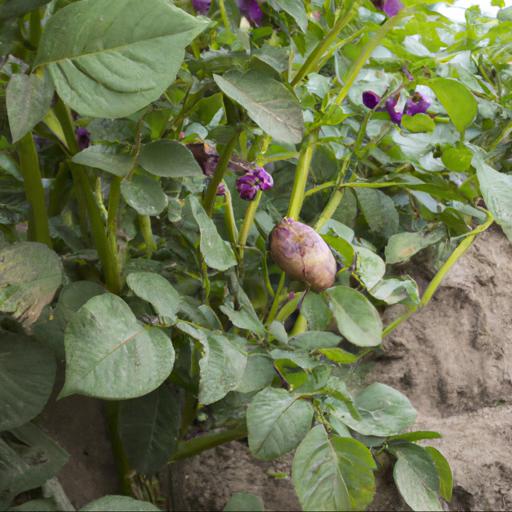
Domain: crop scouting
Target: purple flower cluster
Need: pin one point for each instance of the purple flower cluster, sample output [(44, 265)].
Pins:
[(249, 8), (252, 181), (389, 7), (416, 104), (201, 6), (83, 137)]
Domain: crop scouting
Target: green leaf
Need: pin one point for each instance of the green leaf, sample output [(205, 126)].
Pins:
[(156, 290), (414, 436), (114, 503), (416, 478), (27, 373), (311, 340), (28, 99), (457, 100), (393, 291), (244, 319), (333, 473), (221, 368), (355, 315), (402, 246), (295, 9), (144, 194), (369, 266), (344, 248), (30, 274), (149, 428), (28, 458), (379, 211), (419, 123), (269, 103), (338, 355), (384, 411), (216, 252), (244, 502), (316, 311), (110, 59), (457, 159), (496, 189), (15, 8), (110, 355), (277, 422), (108, 158), (169, 159), (443, 471), (259, 373)]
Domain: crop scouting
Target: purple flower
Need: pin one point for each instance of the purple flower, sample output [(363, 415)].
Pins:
[(389, 7), (408, 74), (221, 189), (251, 10), (371, 99), (252, 181), (416, 104), (396, 117), (201, 6), (83, 137)]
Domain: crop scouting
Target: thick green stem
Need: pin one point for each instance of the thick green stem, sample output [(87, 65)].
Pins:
[(277, 299), (224, 15), (147, 234), (29, 165), (35, 27), (114, 200), (199, 444), (247, 224), (366, 53), (301, 178), (211, 191), (438, 278), (314, 58), (229, 217)]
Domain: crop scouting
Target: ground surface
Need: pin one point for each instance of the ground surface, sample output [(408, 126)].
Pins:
[(453, 360)]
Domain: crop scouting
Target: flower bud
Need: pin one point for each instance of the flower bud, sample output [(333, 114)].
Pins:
[(370, 99), (417, 104), (302, 253)]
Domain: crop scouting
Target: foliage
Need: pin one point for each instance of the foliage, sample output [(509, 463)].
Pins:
[(127, 254)]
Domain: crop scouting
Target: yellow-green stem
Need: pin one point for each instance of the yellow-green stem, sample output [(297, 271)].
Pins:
[(224, 15), (114, 200), (277, 299), (29, 165), (250, 212), (147, 234), (229, 218)]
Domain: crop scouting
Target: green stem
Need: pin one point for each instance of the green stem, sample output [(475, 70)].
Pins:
[(211, 191), (35, 27), (314, 57), (58, 191), (357, 184), (224, 15), (229, 217), (250, 213), (199, 444), (367, 51), (39, 230), (336, 196), (277, 299), (301, 178), (123, 468), (114, 200), (147, 234), (445, 268), (98, 192)]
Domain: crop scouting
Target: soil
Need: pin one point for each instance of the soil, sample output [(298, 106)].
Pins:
[(454, 362)]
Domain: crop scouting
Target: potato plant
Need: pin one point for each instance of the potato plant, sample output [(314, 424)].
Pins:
[(205, 210)]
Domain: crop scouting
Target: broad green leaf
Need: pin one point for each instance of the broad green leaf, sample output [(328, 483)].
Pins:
[(16, 8), (416, 478), (27, 373), (277, 422), (269, 103), (457, 159), (393, 291), (244, 502), (414, 436), (443, 471), (221, 368), (115, 503), (298, 358), (379, 211), (402, 246), (30, 274), (144, 194), (110, 59), (169, 159), (295, 9), (149, 428), (244, 319), (355, 315), (28, 98), (418, 123), (258, 373), (38, 460), (311, 340), (316, 311), (216, 252), (108, 158), (110, 355), (333, 473), (369, 266), (384, 412), (496, 189), (338, 355), (457, 100), (344, 248), (156, 290)]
